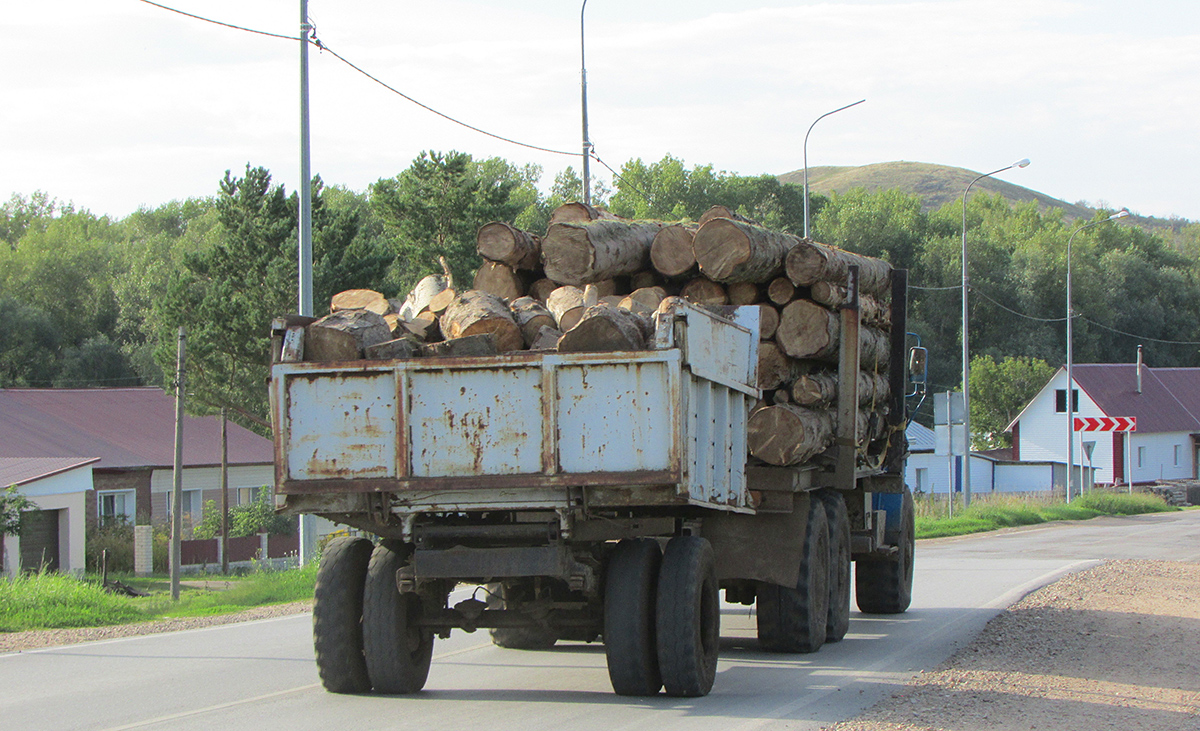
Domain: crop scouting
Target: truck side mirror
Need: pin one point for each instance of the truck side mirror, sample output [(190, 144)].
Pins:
[(917, 364)]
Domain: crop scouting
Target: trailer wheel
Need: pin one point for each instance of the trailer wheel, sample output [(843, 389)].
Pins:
[(516, 638), (397, 652), (630, 584), (838, 622), (794, 619), (883, 585), (688, 617), (337, 615)]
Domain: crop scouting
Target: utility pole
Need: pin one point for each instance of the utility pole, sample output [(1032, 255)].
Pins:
[(587, 146), (177, 474), (308, 527), (224, 490)]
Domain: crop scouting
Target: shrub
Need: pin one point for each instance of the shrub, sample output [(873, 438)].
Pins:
[(115, 535)]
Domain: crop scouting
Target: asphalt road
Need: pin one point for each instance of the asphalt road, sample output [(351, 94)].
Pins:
[(260, 675)]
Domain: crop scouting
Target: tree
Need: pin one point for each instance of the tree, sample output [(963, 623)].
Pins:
[(28, 345), (12, 504), (998, 393)]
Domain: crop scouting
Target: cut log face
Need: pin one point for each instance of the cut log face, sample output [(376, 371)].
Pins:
[(531, 317), (815, 389), (566, 304), (644, 301), (500, 242), (643, 279), (808, 330), (423, 326), (575, 253), (704, 291), (541, 289), (870, 309), (418, 299), (605, 328), (499, 279), (743, 293), (768, 321), (360, 299), (809, 262), (775, 368), (364, 327), (671, 251), (468, 346), (475, 313), (440, 301), (785, 434), (732, 251), (781, 291), (577, 212), (724, 212)]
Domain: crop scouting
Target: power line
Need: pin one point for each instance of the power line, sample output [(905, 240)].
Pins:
[(935, 289), (617, 175), (1139, 337), (217, 22), (1018, 314)]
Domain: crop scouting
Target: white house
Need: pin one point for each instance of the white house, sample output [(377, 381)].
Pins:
[(1165, 401), (991, 472), (53, 534)]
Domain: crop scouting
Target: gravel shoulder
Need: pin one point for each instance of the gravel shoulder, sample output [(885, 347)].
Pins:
[(1111, 648)]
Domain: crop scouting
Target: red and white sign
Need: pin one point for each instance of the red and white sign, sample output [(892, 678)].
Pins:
[(1105, 423)]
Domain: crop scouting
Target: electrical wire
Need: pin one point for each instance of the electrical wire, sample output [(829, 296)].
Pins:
[(217, 22), (1018, 314), (934, 289), (1139, 337), (618, 177)]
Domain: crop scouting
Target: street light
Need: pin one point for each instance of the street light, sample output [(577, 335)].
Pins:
[(587, 186), (966, 358), (1070, 402), (810, 129)]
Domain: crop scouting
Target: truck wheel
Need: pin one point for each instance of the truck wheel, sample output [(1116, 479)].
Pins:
[(794, 619), (516, 638), (883, 585), (629, 605), (688, 617), (838, 622), (337, 615), (397, 653)]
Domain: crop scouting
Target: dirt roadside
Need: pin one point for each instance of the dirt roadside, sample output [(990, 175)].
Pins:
[(1113, 648)]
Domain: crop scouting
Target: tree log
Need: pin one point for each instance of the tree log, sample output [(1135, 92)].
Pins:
[(474, 313), (643, 279), (566, 304), (809, 262), (809, 330), (360, 299), (732, 251), (704, 291), (400, 348), (547, 339), (440, 301), (344, 335), (781, 291), (815, 389), (834, 296), (423, 326), (468, 346), (506, 244), (499, 279), (768, 321), (723, 212), (605, 328), (743, 293), (775, 368), (785, 434), (579, 213), (541, 289), (671, 252), (576, 253), (418, 299), (531, 317)]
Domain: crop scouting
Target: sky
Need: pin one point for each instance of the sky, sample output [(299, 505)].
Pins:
[(118, 104)]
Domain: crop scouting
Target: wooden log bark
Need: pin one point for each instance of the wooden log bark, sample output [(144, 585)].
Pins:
[(809, 330), (643, 279), (424, 326), (820, 389), (418, 299), (809, 262), (605, 328), (344, 335), (400, 348), (743, 293), (671, 252), (566, 304), (468, 346), (474, 313), (785, 434), (723, 212), (704, 291), (732, 251), (531, 317), (500, 242), (775, 368), (644, 301), (547, 339), (768, 321), (834, 296), (781, 291), (360, 299), (579, 213), (576, 253), (499, 279)]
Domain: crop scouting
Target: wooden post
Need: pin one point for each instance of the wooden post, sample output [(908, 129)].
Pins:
[(177, 473), (847, 402), (224, 490)]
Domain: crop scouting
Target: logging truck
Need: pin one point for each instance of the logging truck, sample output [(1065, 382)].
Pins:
[(600, 496)]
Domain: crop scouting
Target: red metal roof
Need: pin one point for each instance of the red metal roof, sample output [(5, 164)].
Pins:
[(1169, 401), (124, 427)]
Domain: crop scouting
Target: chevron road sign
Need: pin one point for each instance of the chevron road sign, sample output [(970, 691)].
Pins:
[(1105, 423)]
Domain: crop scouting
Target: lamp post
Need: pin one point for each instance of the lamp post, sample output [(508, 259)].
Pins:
[(587, 186), (1070, 402), (966, 358), (810, 129)]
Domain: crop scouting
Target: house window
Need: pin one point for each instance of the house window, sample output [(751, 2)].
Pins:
[(247, 495), (191, 504), (1178, 452), (1141, 456), (1060, 400), (922, 474), (116, 505)]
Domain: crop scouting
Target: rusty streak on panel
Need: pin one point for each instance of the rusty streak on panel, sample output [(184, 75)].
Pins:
[(649, 478)]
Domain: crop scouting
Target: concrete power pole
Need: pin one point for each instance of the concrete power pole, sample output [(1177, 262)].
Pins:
[(177, 473), (308, 523)]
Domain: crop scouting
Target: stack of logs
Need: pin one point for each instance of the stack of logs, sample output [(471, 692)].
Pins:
[(594, 282)]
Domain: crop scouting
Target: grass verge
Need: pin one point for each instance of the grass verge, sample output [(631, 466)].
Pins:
[(53, 601), (993, 512)]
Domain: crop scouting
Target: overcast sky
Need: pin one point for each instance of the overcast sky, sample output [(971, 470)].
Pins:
[(116, 104)]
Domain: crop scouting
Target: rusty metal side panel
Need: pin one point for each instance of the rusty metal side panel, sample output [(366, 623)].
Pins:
[(716, 444), (341, 425)]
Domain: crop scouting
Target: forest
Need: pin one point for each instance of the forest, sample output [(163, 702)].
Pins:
[(87, 300)]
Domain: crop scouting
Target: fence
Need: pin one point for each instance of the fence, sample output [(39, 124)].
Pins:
[(207, 551)]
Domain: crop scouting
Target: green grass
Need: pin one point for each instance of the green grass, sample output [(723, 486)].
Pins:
[(48, 601), (992, 512)]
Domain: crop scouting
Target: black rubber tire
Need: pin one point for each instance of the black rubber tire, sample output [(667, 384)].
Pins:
[(689, 617), (838, 622), (397, 654), (793, 619), (883, 585), (630, 583), (337, 615), (516, 638)]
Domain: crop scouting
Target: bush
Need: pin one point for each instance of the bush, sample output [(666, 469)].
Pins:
[(115, 535), (245, 520)]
